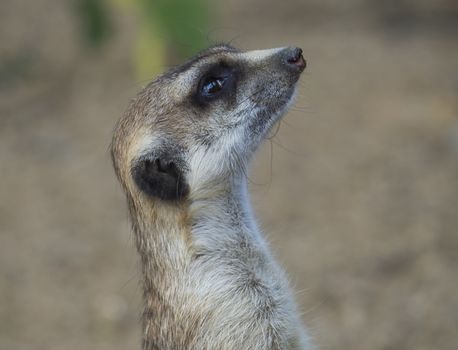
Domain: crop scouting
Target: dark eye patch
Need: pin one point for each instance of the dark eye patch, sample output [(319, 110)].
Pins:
[(216, 82)]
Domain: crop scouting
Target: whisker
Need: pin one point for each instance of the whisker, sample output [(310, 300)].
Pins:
[(290, 150)]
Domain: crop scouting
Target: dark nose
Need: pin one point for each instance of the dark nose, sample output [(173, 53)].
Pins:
[(293, 59)]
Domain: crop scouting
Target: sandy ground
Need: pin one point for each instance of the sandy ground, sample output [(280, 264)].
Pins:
[(357, 192)]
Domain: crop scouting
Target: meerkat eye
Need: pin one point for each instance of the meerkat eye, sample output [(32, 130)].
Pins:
[(216, 82), (212, 85)]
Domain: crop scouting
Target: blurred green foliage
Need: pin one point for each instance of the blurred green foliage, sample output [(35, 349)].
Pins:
[(183, 23), (167, 30), (95, 21)]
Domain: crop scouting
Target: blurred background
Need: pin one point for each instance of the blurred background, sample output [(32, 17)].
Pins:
[(357, 191)]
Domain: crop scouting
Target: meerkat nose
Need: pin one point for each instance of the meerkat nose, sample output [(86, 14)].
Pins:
[(292, 57)]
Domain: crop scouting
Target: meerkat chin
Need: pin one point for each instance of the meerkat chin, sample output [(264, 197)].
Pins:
[(180, 152)]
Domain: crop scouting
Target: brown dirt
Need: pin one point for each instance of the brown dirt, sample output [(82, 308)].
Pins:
[(357, 192)]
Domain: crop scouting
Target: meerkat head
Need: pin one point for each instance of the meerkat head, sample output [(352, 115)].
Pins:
[(197, 125)]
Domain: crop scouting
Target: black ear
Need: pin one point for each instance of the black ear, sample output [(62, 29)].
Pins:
[(161, 178)]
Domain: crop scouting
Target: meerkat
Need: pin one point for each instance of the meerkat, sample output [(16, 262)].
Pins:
[(181, 153)]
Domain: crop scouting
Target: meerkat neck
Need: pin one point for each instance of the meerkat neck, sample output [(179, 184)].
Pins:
[(168, 240), (226, 216)]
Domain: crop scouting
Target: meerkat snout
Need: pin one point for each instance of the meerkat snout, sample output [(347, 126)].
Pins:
[(180, 152)]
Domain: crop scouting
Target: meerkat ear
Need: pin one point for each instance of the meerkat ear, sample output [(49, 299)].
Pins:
[(160, 178)]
